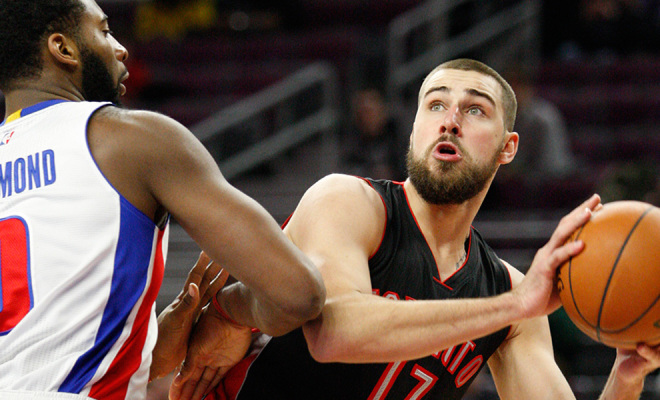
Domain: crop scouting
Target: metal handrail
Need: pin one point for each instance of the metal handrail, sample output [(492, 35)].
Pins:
[(441, 47), (325, 120)]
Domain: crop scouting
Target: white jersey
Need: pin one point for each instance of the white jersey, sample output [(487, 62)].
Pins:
[(80, 267)]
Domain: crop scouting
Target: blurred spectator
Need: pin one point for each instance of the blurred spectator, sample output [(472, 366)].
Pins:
[(544, 157), (174, 19), (373, 146), (259, 15), (619, 26), (544, 149), (606, 29), (636, 180)]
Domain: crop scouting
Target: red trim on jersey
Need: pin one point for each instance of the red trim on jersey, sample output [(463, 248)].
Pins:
[(385, 223), (232, 382), (386, 380), (467, 257), (286, 222), (510, 288), (114, 384)]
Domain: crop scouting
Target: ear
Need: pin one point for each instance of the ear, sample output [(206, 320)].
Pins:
[(510, 147), (63, 50)]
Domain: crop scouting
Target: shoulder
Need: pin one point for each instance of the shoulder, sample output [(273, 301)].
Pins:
[(134, 121), (142, 135), (342, 190), (340, 203), (144, 155)]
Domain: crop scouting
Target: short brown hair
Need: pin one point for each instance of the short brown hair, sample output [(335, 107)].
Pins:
[(508, 96)]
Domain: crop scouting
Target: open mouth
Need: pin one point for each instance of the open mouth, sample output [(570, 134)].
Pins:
[(446, 150)]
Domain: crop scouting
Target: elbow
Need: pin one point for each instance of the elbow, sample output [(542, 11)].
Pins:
[(325, 353), (304, 303), (322, 347), (310, 302), (321, 354), (315, 299)]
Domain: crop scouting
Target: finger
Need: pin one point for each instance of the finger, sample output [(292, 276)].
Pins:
[(216, 381), (197, 272), (649, 353), (213, 270), (565, 252), (184, 383), (190, 300), (215, 286), (573, 221), (204, 384), (175, 388)]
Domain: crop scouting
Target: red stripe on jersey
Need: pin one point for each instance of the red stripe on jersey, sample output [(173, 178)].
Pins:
[(232, 382), (114, 384)]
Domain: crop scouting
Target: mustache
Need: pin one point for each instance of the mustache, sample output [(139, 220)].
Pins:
[(446, 138)]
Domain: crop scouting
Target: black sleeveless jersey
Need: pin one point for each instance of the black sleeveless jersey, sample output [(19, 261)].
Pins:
[(403, 268)]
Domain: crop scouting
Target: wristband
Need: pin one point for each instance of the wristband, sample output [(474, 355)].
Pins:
[(222, 312)]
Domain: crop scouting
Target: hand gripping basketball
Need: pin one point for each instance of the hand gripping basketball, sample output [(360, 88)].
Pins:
[(537, 293), (611, 291)]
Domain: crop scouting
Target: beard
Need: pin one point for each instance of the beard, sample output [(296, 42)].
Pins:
[(97, 82), (448, 183)]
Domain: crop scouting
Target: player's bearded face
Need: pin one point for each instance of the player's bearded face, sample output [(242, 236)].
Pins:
[(441, 182), (97, 82)]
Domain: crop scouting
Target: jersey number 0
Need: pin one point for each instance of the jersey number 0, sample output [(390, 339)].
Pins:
[(15, 291)]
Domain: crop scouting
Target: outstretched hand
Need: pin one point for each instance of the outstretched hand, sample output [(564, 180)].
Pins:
[(537, 293), (216, 345), (626, 381), (634, 365), (176, 321)]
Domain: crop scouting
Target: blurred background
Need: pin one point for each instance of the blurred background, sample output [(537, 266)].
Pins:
[(284, 92)]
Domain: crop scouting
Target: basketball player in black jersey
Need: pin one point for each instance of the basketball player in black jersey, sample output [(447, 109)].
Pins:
[(418, 303)]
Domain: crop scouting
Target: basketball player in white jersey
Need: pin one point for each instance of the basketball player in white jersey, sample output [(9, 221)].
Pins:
[(86, 192)]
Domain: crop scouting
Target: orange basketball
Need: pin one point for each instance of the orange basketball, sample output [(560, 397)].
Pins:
[(611, 291)]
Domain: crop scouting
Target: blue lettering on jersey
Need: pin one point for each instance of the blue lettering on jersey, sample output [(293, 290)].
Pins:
[(29, 173)]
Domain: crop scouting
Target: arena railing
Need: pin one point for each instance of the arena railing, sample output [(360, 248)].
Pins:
[(295, 109), (425, 36)]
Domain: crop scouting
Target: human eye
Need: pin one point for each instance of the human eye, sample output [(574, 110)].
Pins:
[(436, 106), (475, 110)]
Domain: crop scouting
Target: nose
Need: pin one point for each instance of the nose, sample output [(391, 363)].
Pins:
[(120, 52), (451, 122)]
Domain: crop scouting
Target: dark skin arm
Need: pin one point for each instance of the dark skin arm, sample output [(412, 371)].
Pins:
[(157, 164), (175, 322)]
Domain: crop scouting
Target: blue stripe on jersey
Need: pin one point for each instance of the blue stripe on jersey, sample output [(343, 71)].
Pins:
[(31, 109), (131, 272)]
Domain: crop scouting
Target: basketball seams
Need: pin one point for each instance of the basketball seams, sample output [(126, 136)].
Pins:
[(642, 315), (570, 283), (609, 279)]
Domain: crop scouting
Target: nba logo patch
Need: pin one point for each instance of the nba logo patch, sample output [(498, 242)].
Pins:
[(6, 138)]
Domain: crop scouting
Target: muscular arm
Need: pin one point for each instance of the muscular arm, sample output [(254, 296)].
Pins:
[(339, 223), (157, 163), (529, 344)]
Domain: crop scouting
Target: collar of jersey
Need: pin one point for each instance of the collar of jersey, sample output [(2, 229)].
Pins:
[(29, 110)]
